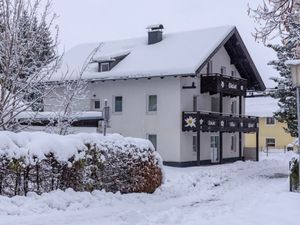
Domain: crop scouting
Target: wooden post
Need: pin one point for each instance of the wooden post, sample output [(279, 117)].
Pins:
[(257, 145), (198, 147), (221, 133), (240, 133)]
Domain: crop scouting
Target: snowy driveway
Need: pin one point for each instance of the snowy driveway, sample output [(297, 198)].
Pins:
[(234, 194)]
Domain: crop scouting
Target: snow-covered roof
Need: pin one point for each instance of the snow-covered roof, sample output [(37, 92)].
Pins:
[(84, 115), (261, 106), (177, 53), (182, 53)]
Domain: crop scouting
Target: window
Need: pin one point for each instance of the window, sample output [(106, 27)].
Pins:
[(233, 107), (104, 67), (118, 104), (215, 104), (195, 107), (223, 70), (152, 103), (209, 67), (153, 139), (233, 73), (233, 143), (95, 104), (270, 120), (270, 142), (194, 143)]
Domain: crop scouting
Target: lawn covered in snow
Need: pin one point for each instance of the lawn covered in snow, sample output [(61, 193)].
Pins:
[(242, 193)]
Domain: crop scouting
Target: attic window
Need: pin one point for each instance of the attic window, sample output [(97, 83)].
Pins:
[(103, 67)]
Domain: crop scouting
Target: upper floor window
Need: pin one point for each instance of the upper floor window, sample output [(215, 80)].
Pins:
[(152, 103), (103, 67), (233, 143), (270, 120), (209, 67), (233, 108), (223, 70), (233, 73), (118, 104), (95, 104), (195, 105), (215, 104)]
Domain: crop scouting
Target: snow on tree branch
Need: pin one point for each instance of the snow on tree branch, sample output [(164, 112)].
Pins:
[(28, 56), (68, 94), (273, 18)]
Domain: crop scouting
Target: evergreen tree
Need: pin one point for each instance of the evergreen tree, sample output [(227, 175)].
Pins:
[(285, 92), (28, 57)]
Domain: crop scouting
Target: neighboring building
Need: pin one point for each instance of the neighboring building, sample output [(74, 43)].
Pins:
[(271, 132), (183, 91)]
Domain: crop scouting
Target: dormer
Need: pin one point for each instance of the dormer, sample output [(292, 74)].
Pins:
[(106, 63)]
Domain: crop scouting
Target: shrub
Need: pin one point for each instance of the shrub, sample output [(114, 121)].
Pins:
[(40, 162), (294, 174)]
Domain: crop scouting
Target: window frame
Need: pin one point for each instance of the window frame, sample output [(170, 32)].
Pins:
[(114, 104), (154, 145), (104, 64), (270, 124), (209, 69), (194, 144), (148, 104), (233, 105), (93, 102), (223, 70), (195, 103), (267, 142), (233, 145)]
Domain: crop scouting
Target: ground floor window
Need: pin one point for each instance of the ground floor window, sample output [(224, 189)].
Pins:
[(95, 104), (153, 139), (118, 104), (270, 142), (233, 143), (194, 143)]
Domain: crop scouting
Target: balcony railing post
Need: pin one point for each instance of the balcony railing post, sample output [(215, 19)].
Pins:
[(221, 133), (240, 133)]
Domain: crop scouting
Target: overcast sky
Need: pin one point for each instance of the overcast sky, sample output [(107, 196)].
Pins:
[(83, 21)]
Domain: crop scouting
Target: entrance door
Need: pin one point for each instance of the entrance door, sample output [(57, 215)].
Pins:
[(214, 148)]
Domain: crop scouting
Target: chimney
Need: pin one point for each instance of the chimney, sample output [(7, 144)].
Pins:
[(155, 33)]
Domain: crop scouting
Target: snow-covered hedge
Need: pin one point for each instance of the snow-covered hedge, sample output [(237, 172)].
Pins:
[(40, 162)]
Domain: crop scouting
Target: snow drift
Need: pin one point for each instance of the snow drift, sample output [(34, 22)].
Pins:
[(40, 162)]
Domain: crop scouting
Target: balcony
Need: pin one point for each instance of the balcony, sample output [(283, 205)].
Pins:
[(215, 122), (217, 83)]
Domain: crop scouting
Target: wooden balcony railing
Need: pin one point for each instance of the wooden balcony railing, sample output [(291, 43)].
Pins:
[(214, 122), (217, 83)]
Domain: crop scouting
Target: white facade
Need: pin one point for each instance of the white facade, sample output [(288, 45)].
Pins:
[(135, 120)]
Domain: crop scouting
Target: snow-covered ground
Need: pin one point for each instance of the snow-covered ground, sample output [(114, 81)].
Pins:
[(243, 193)]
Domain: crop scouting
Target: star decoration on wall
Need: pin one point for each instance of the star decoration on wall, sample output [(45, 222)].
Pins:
[(190, 122)]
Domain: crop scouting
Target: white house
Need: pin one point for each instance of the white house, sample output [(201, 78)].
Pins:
[(183, 91)]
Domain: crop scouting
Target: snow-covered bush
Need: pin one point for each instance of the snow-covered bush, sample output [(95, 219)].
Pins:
[(294, 175), (40, 162)]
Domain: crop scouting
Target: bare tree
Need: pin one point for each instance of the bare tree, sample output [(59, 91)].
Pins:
[(273, 18), (72, 93), (28, 57)]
